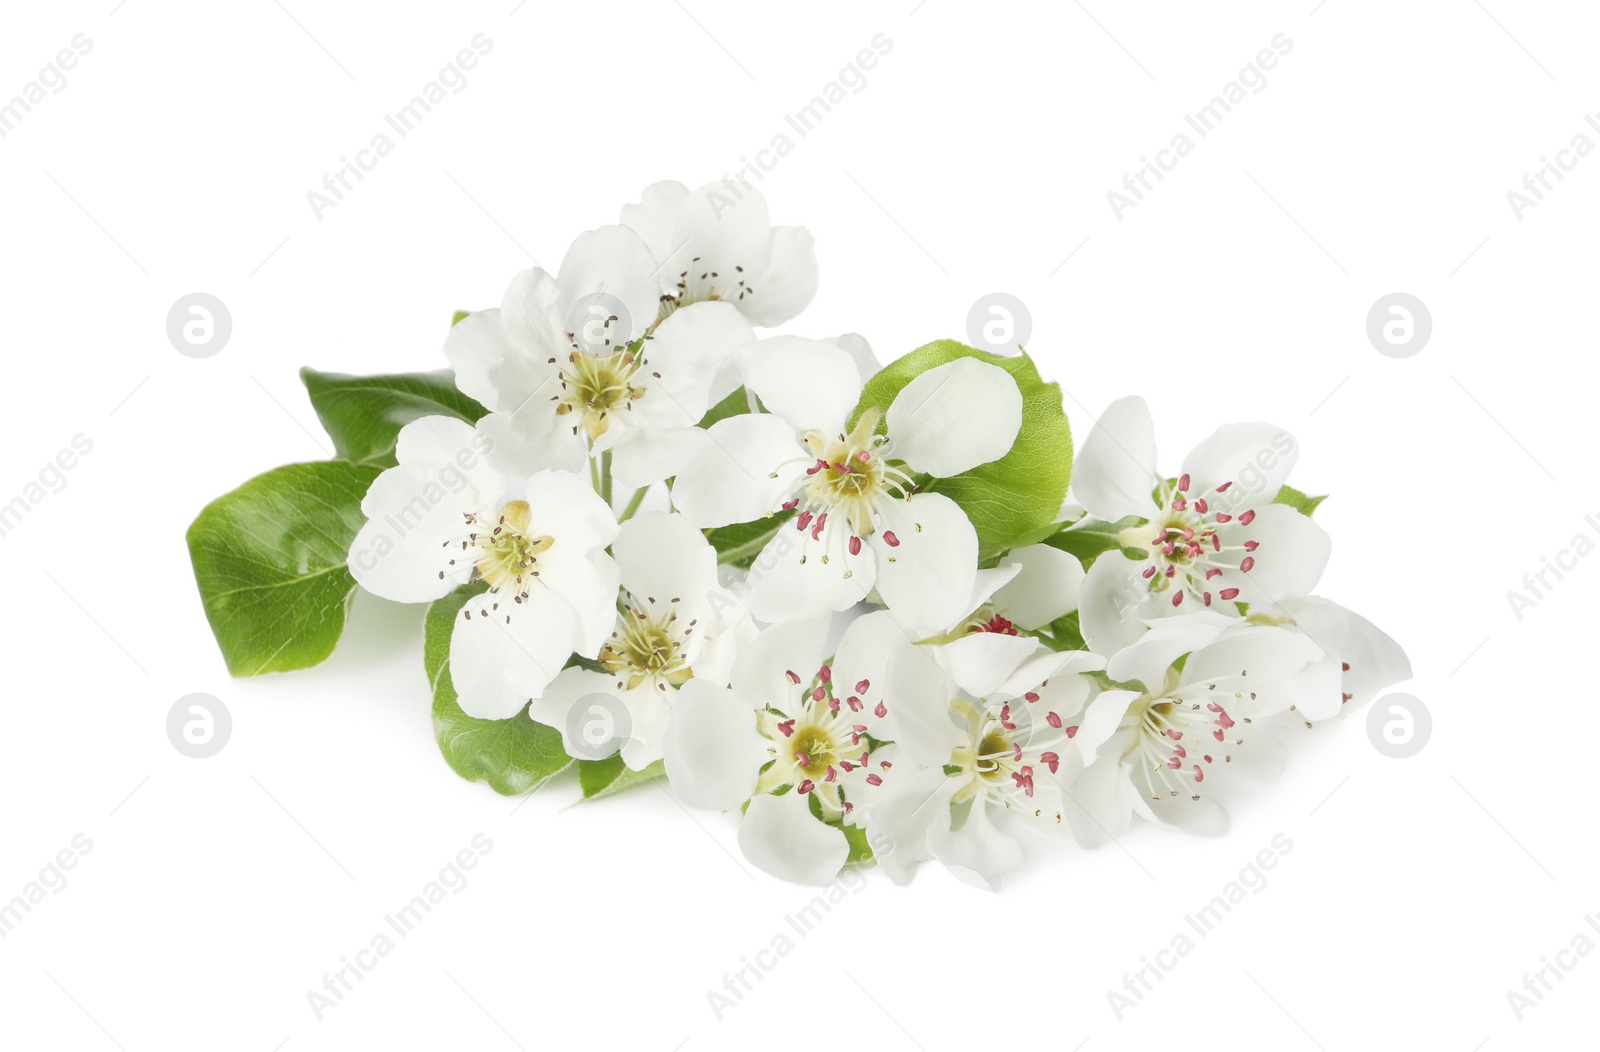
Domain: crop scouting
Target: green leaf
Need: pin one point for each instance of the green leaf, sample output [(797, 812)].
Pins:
[(1011, 500), (1298, 501), (514, 756), (269, 559), (1064, 633), (458, 317), (860, 849), (740, 543), (1107, 683), (603, 777), (364, 414), (736, 404), (1091, 538)]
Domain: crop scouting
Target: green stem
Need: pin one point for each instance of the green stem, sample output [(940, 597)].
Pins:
[(605, 476), (633, 503)]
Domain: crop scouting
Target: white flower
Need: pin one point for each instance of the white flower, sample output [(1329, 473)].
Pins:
[(558, 387), (791, 734), (859, 523), (717, 244), (1159, 737), (991, 748), (667, 632), (1207, 539), (441, 518)]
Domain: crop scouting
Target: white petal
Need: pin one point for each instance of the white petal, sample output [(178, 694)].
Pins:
[(1202, 817), (712, 751), (1260, 663), (978, 853), (861, 662), (980, 661), (788, 283), (1375, 661), (927, 577), (475, 347), (530, 314), (900, 821), (1100, 800), (554, 707), (651, 712), (917, 692), (728, 477), (1115, 471), (655, 216), (990, 581), (652, 454), (809, 383), (563, 505), (955, 417), (780, 836), (667, 564), (798, 575), (1045, 589), (687, 351), (613, 260), (1147, 659), (726, 226), (1291, 553), (860, 352), (416, 508), (496, 665), (760, 671), (1109, 603), (1100, 721), (533, 438), (1256, 458)]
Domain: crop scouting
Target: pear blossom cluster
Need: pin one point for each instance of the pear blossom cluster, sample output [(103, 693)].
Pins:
[(745, 549)]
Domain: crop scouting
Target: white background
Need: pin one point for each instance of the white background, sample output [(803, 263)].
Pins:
[(977, 158)]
